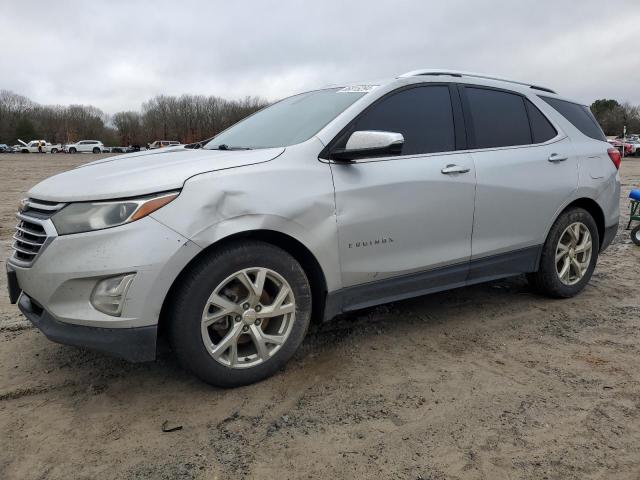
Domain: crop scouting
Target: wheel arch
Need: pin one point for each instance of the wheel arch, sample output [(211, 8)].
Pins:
[(291, 245), (594, 209)]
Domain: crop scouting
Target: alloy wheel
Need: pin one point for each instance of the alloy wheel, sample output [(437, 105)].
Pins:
[(248, 317), (573, 253)]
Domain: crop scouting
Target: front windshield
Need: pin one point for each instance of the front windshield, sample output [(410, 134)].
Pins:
[(287, 122)]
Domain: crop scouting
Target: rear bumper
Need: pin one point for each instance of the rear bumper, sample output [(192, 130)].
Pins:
[(609, 235), (133, 344)]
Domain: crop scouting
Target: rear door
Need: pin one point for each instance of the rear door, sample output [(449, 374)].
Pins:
[(403, 214), (525, 168)]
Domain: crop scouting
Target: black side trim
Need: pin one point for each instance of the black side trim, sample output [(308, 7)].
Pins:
[(393, 289), (504, 265), (437, 280), (132, 344), (609, 235)]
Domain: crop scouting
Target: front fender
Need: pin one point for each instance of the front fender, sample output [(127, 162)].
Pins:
[(292, 195), (324, 252)]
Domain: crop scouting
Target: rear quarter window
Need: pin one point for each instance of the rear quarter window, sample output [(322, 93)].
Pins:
[(541, 128), (579, 115)]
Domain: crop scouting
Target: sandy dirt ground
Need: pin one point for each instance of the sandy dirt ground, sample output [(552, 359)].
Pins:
[(486, 382)]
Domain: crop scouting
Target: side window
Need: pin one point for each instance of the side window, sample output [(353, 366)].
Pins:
[(579, 115), (541, 128), (499, 118), (423, 115)]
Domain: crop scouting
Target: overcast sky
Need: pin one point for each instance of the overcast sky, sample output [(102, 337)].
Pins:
[(117, 54)]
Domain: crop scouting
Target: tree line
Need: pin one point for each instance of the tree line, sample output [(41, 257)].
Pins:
[(187, 118), (614, 116)]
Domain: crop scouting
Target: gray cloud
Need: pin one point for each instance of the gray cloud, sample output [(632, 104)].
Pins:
[(116, 54)]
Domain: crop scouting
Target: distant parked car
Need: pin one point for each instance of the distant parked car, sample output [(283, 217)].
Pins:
[(86, 146), (634, 141), (4, 148), (39, 146), (625, 148), (163, 143)]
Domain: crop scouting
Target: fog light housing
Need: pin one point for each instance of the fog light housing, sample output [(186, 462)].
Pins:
[(109, 294)]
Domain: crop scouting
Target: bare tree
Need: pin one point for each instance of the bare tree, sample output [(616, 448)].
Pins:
[(187, 118)]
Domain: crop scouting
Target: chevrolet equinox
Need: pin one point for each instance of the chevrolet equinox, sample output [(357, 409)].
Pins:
[(325, 202)]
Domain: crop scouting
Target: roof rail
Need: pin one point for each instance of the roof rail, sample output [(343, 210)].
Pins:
[(458, 73)]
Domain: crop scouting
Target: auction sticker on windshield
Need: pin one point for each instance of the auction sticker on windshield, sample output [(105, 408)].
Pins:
[(358, 89)]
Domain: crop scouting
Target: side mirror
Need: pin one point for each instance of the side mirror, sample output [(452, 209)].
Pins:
[(369, 143)]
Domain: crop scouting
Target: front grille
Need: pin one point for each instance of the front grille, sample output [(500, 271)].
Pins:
[(29, 239), (31, 231)]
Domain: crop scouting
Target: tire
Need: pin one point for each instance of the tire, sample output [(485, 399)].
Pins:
[(635, 235), (198, 286), (96, 150), (72, 150), (54, 150), (547, 279)]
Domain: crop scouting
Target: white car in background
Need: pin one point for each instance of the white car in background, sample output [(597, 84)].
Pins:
[(34, 146), (86, 146)]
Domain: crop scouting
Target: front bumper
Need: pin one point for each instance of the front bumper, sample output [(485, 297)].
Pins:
[(132, 344), (64, 274)]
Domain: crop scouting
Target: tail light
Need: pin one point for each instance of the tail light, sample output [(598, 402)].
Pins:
[(615, 157)]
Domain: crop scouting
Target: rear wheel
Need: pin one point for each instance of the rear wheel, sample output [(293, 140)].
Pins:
[(240, 314), (54, 150), (569, 255), (96, 150)]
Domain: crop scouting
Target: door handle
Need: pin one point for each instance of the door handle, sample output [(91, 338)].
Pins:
[(452, 168), (555, 158)]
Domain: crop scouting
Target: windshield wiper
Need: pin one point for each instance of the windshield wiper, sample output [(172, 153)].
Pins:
[(224, 146)]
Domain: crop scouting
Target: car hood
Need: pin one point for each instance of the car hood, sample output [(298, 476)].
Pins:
[(142, 173)]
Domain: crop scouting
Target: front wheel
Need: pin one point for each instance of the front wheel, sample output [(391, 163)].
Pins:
[(54, 150), (72, 150), (240, 314), (569, 255)]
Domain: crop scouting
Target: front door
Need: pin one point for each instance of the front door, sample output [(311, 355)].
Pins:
[(413, 212)]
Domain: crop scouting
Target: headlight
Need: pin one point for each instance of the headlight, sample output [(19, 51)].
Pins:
[(88, 216)]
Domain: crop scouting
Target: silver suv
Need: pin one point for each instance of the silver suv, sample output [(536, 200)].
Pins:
[(325, 202)]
